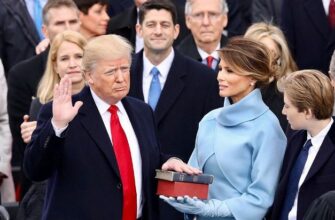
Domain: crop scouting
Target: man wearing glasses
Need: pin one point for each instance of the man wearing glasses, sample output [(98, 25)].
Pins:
[(206, 20)]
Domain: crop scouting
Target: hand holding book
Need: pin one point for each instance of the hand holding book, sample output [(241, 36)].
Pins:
[(207, 208)]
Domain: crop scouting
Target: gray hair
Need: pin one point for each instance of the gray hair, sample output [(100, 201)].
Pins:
[(332, 66), (188, 7)]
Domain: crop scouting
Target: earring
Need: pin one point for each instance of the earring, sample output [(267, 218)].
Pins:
[(252, 84)]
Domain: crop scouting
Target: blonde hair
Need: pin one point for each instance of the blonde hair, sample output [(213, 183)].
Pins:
[(309, 89), (50, 77), (249, 58), (262, 30), (105, 46)]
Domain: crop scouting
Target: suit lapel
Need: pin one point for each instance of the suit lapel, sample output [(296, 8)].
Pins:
[(136, 77), (22, 16), (327, 149), (318, 16), (93, 124), (174, 85)]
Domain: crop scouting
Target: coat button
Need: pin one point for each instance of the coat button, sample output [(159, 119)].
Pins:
[(119, 185)]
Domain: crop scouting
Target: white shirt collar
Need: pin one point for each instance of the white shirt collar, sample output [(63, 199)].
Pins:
[(104, 106), (214, 54), (163, 67)]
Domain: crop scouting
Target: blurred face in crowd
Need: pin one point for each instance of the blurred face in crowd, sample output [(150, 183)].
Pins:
[(296, 119), (68, 61), (138, 3), (110, 79), (94, 23), (206, 21), (59, 20), (158, 31), (233, 84)]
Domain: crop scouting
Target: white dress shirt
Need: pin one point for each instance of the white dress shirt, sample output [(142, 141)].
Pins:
[(326, 6), (214, 54), (131, 137), (163, 67), (313, 151)]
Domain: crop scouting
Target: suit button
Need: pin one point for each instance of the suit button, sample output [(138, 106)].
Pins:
[(119, 186)]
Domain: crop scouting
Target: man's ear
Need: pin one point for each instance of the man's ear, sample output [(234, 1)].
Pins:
[(309, 113), (139, 30), (88, 77), (187, 21), (45, 31)]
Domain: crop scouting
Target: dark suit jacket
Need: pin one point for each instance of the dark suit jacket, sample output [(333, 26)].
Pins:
[(22, 85), (189, 93), (81, 167), (124, 24), (266, 11), (18, 34), (319, 180), (189, 48), (308, 33), (117, 6)]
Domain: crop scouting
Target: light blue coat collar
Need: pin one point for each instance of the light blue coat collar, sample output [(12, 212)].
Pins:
[(248, 108)]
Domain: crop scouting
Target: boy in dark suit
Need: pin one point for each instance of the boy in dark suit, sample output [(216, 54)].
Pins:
[(309, 164)]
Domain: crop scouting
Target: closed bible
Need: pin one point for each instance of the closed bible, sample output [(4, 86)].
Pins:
[(176, 184)]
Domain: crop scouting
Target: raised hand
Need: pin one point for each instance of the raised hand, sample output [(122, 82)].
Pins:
[(27, 129), (62, 109)]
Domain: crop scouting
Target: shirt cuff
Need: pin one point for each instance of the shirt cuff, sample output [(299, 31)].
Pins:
[(58, 131)]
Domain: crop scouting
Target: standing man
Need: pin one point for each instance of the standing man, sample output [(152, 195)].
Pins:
[(58, 16), (18, 34), (309, 163), (100, 154), (179, 90), (206, 20), (309, 27)]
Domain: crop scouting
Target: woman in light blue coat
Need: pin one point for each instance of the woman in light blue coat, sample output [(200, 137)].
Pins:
[(241, 144)]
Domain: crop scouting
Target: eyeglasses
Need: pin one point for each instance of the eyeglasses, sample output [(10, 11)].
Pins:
[(212, 16)]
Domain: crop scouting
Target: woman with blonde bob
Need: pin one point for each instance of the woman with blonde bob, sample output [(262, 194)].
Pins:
[(273, 38), (64, 58), (241, 144)]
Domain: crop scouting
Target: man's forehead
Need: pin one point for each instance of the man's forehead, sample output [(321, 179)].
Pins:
[(164, 15), (63, 13)]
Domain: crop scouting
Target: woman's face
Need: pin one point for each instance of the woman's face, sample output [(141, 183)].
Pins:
[(68, 61), (95, 22), (233, 84)]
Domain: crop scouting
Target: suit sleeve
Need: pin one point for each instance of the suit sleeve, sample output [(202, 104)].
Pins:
[(43, 152), (287, 24)]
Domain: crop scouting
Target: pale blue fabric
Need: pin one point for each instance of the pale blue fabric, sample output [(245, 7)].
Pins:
[(243, 146), (155, 88)]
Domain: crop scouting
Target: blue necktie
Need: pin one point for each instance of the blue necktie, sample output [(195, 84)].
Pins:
[(38, 17), (155, 88), (293, 181)]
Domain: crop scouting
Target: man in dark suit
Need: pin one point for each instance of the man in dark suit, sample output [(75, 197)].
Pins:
[(309, 33), (18, 34), (206, 20), (124, 24), (58, 15), (99, 152), (187, 89), (308, 169)]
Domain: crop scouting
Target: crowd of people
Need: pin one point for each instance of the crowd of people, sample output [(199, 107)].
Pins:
[(102, 93)]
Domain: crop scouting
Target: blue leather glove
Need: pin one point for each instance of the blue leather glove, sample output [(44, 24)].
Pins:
[(206, 208)]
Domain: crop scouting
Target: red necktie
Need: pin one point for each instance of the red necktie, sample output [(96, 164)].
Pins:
[(123, 157), (331, 15), (209, 60)]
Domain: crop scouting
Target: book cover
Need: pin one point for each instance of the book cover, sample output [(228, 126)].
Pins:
[(175, 189), (183, 177)]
